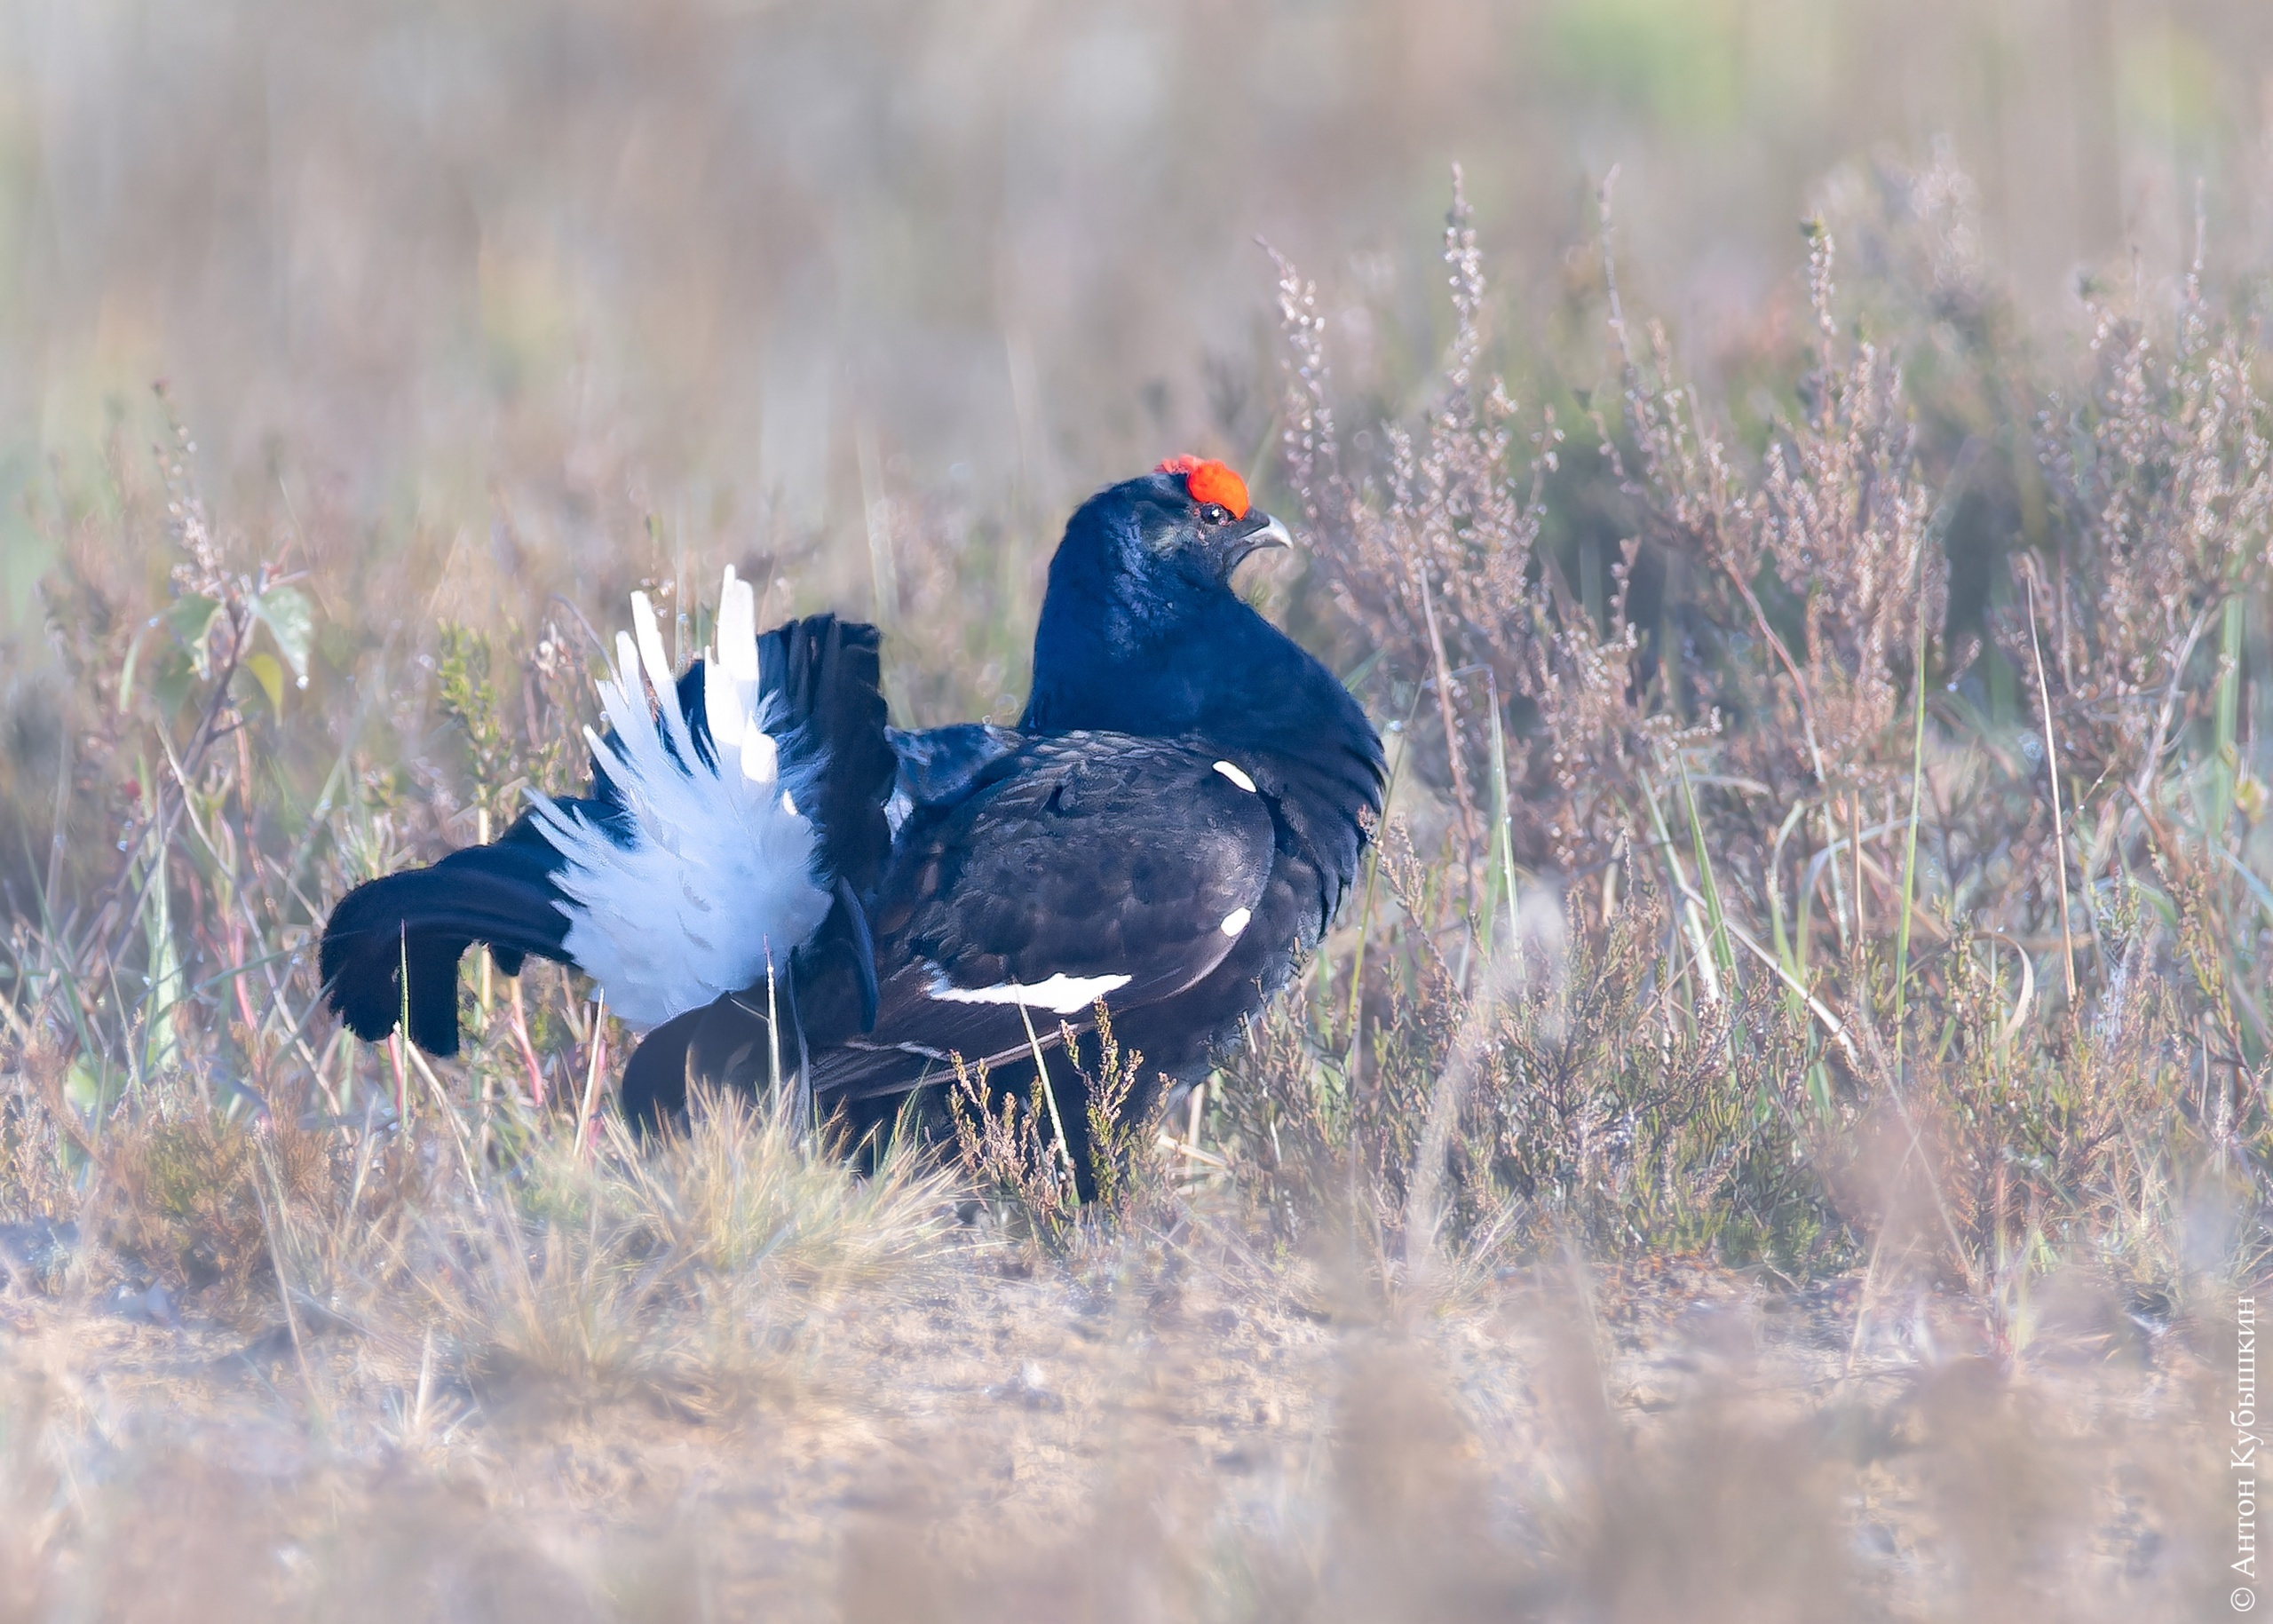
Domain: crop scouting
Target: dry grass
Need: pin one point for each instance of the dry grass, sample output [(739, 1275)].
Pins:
[(1781, 1131), (1183, 1430)]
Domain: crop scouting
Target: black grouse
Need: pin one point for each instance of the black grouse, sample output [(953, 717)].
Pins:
[(1168, 831)]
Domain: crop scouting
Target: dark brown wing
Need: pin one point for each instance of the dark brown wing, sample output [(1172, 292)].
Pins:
[(1084, 866)]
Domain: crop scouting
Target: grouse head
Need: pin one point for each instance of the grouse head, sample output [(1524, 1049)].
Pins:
[(1142, 633), (1155, 550), (1194, 526)]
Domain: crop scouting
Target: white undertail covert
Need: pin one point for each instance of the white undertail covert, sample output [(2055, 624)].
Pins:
[(718, 879)]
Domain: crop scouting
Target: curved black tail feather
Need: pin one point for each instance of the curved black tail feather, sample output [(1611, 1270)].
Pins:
[(500, 894), (829, 680)]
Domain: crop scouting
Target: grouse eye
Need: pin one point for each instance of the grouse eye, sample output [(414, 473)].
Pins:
[(1214, 513)]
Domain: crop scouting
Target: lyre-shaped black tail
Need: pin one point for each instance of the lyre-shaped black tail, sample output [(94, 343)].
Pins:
[(827, 711)]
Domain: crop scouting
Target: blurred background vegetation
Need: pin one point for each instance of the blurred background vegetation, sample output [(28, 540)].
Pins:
[(478, 304), (468, 286)]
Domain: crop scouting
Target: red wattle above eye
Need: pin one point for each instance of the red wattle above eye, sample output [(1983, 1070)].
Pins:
[(1208, 480)]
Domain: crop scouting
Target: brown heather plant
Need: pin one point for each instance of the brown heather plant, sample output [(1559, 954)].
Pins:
[(1014, 1148), (1813, 899), (1775, 1133)]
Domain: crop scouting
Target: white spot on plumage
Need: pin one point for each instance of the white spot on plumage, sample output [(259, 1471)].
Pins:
[(1236, 921), (1060, 995), (713, 845), (1233, 771)]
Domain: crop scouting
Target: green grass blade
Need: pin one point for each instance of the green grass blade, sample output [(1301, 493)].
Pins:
[(1910, 839), (1725, 957)]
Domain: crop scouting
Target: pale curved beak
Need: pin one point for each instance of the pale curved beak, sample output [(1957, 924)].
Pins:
[(1256, 533)]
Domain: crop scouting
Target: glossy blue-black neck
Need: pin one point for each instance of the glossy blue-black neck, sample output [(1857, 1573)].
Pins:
[(1141, 633)]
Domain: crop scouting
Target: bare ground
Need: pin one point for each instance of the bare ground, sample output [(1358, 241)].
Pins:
[(1173, 1430)]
